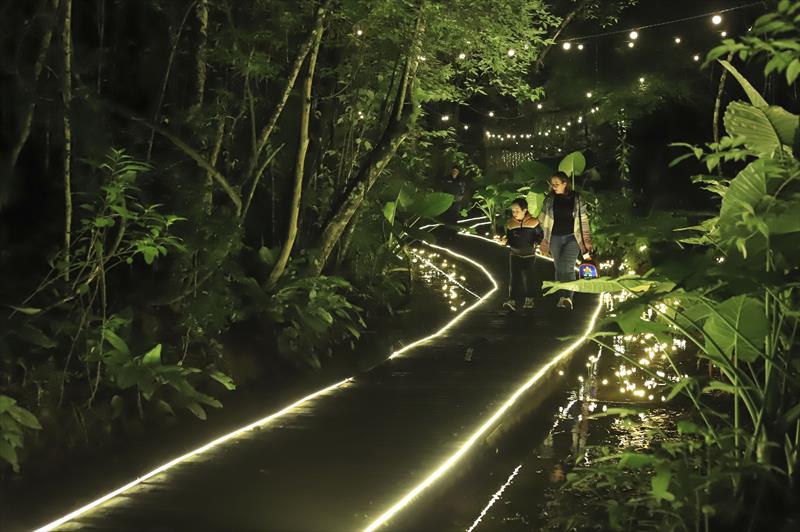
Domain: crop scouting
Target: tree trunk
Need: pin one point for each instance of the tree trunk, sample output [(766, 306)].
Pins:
[(27, 120), (66, 41), (263, 137), (175, 40), (299, 169), (402, 117), (202, 52)]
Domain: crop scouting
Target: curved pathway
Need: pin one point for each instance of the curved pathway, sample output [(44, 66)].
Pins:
[(358, 454)]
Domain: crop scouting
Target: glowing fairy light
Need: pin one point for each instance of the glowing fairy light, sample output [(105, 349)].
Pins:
[(359, 32), (466, 127), (567, 45), (261, 422), (589, 94), (633, 35), (539, 106), (462, 56), (445, 118), (724, 34), (489, 423), (491, 114), (631, 44), (696, 57), (641, 80), (677, 40), (495, 498), (580, 47), (716, 20), (511, 52)]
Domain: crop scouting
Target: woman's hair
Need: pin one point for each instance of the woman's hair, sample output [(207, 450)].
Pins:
[(521, 203)]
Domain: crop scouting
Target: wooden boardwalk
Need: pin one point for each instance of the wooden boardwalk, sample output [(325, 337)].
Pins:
[(342, 459)]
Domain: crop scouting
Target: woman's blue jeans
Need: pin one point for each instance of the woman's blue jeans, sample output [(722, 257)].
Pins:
[(565, 250)]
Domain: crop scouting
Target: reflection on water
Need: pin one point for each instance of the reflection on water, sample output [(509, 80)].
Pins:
[(603, 384)]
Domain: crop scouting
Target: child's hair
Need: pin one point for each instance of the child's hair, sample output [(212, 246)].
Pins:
[(521, 203)]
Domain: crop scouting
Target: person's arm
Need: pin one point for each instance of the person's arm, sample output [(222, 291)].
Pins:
[(502, 239)]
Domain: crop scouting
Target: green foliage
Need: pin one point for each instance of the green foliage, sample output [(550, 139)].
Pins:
[(14, 421), (732, 297)]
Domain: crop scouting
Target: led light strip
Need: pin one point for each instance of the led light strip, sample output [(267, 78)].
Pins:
[(449, 277), (82, 510), (495, 498), (466, 311), (455, 457)]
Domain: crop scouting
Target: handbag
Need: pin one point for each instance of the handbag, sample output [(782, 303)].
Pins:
[(587, 269)]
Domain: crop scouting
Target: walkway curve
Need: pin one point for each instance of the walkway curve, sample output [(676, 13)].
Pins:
[(441, 346)]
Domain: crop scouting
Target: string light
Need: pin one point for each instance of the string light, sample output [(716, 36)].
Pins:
[(462, 56), (588, 94), (511, 52), (631, 44), (633, 35), (539, 106), (491, 114), (466, 127), (567, 45), (359, 32), (696, 57), (641, 80), (580, 47), (724, 34), (716, 19), (677, 40), (445, 118)]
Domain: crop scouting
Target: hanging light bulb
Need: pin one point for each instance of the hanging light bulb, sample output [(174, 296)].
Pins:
[(717, 20), (633, 35), (696, 57), (567, 45), (466, 127), (539, 106), (677, 40), (631, 44), (724, 34), (580, 47), (588, 94)]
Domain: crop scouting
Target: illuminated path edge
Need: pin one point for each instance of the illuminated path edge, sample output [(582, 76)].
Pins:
[(468, 444), (263, 421)]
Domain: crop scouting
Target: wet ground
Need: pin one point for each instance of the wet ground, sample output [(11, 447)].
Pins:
[(340, 460)]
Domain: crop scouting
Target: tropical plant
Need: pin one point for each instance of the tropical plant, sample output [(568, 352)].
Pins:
[(14, 421), (734, 298)]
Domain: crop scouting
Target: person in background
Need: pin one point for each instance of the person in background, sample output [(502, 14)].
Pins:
[(455, 185), (522, 235), (565, 224)]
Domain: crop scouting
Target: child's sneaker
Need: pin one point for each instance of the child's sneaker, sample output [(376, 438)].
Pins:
[(510, 305), (528, 303)]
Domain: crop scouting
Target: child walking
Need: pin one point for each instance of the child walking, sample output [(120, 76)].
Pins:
[(522, 234)]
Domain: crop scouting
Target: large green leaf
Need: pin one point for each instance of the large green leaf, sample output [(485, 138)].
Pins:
[(755, 97), (573, 164), (597, 286), (535, 200), (744, 194), (6, 402), (786, 124), (532, 172), (754, 126), (9, 454), (737, 327), (430, 204)]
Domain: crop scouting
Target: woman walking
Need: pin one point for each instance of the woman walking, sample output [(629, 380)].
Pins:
[(565, 222), (522, 235)]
